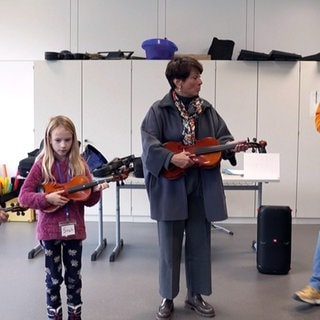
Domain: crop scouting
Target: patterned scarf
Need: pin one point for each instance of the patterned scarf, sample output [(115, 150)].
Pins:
[(188, 120)]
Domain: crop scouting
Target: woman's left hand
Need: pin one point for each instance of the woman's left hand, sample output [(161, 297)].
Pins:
[(242, 145), (101, 186)]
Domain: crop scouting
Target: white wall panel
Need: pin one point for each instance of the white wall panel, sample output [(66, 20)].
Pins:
[(287, 25), (116, 25), (193, 27), (29, 28)]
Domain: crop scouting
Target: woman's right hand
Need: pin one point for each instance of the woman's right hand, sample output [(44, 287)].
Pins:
[(182, 160)]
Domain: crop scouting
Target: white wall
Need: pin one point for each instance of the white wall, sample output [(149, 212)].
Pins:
[(29, 28)]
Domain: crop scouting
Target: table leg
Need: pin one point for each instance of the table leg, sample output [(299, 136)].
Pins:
[(259, 196), (102, 242), (220, 228), (119, 241), (35, 251), (259, 203)]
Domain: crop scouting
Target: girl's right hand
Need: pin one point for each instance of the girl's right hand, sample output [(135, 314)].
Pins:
[(57, 199)]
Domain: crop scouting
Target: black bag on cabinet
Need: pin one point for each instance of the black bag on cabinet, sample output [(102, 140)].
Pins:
[(26, 164), (313, 57), (221, 49), (284, 56), (274, 239), (253, 56)]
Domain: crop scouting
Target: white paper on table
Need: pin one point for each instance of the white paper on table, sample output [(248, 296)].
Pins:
[(261, 166)]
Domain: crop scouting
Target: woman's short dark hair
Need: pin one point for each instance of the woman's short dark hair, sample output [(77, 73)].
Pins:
[(180, 68)]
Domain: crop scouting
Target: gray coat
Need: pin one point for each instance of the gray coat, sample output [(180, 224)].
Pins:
[(168, 198)]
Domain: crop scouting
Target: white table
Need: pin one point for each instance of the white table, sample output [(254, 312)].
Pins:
[(230, 182)]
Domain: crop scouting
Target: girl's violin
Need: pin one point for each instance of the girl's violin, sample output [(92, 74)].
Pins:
[(79, 187), (15, 208), (206, 152)]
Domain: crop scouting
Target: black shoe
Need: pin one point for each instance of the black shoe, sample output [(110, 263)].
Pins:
[(201, 307), (165, 310)]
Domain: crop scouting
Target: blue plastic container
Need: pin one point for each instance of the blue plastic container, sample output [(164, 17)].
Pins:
[(159, 49)]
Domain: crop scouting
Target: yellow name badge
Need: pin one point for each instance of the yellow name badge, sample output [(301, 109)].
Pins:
[(68, 229)]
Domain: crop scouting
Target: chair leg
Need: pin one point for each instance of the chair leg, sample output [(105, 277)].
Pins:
[(220, 228)]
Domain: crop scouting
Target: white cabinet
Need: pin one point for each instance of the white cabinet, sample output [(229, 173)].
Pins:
[(236, 102), (16, 101), (309, 141), (57, 91), (96, 95), (106, 117), (278, 118), (149, 84), (269, 100)]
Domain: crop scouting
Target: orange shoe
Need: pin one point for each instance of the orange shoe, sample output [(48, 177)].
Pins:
[(308, 295)]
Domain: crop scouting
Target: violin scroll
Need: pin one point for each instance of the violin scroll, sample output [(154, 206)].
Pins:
[(260, 146)]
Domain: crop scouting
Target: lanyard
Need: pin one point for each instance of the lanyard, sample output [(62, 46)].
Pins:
[(61, 181)]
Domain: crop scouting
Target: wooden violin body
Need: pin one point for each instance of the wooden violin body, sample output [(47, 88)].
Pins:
[(79, 187), (206, 152)]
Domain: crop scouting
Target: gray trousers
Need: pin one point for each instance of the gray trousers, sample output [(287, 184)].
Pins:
[(197, 246)]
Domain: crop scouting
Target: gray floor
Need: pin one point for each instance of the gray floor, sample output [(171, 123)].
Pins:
[(127, 289)]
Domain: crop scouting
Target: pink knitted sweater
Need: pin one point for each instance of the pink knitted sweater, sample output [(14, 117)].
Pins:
[(48, 227)]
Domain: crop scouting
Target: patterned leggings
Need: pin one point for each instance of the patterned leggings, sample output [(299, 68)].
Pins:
[(68, 252)]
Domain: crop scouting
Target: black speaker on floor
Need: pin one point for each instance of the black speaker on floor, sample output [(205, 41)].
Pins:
[(274, 239)]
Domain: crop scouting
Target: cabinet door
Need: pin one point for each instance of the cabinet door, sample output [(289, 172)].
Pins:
[(16, 101), (309, 142), (236, 98), (57, 90), (278, 102), (106, 117), (149, 84)]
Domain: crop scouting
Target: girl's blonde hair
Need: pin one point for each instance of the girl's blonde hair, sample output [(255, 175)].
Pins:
[(76, 162)]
